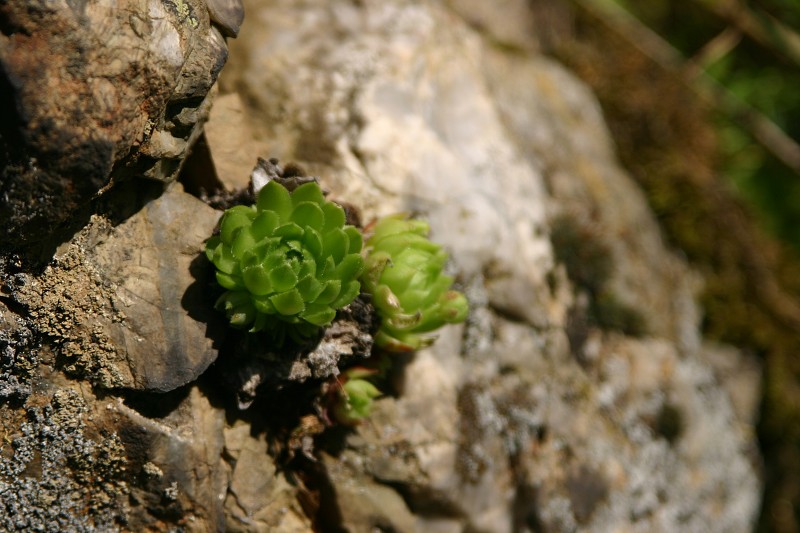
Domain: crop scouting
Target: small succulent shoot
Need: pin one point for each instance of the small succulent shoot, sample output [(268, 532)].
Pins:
[(355, 397), (404, 274), (287, 263)]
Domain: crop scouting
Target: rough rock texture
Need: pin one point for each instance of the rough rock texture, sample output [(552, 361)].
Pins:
[(94, 92), (116, 296), (579, 395), (54, 474)]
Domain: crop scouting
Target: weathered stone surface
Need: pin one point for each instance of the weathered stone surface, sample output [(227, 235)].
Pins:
[(232, 141), (58, 472), (586, 183), (579, 395), (94, 92), (127, 306), (79, 462), (259, 498), (176, 471), (18, 358), (364, 504), (227, 15)]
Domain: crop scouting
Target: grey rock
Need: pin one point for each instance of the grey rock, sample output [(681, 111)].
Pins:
[(45, 468), (364, 504), (19, 359), (175, 469), (581, 399), (227, 14), (92, 95), (547, 410), (127, 306), (232, 141), (259, 499)]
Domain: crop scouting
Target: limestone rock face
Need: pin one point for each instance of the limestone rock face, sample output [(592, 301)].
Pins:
[(579, 395), (94, 92)]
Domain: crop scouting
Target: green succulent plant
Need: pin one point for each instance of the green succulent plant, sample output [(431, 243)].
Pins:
[(288, 262), (404, 274), (355, 397)]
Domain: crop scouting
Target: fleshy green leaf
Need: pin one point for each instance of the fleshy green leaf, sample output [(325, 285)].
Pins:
[(356, 399), (385, 300), (385, 340), (334, 216), (319, 315), (403, 322), (224, 260), (394, 225), (288, 303), (354, 239), (455, 307), (398, 276), (263, 305), (274, 197), (259, 322), (436, 289), (233, 219), (335, 244), (348, 293), (412, 299), (308, 214), (350, 267), (310, 288), (242, 242), (257, 280), (231, 299), (414, 257), (330, 292), (394, 244), (229, 282), (211, 245), (289, 231), (374, 266), (308, 266), (282, 278), (308, 192), (242, 315), (264, 224), (313, 241), (328, 270)]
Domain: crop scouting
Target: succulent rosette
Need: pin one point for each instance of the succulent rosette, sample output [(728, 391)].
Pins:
[(287, 260), (404, 274), (354, 400)]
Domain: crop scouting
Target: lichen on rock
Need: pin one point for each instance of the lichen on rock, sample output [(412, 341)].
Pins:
[(96, 300), (54, 476)]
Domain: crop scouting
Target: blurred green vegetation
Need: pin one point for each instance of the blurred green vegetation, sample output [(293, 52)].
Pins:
[(762, 74), (767, 184)]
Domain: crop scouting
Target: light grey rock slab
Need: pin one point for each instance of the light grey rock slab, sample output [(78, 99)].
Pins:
[(540, 418)]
